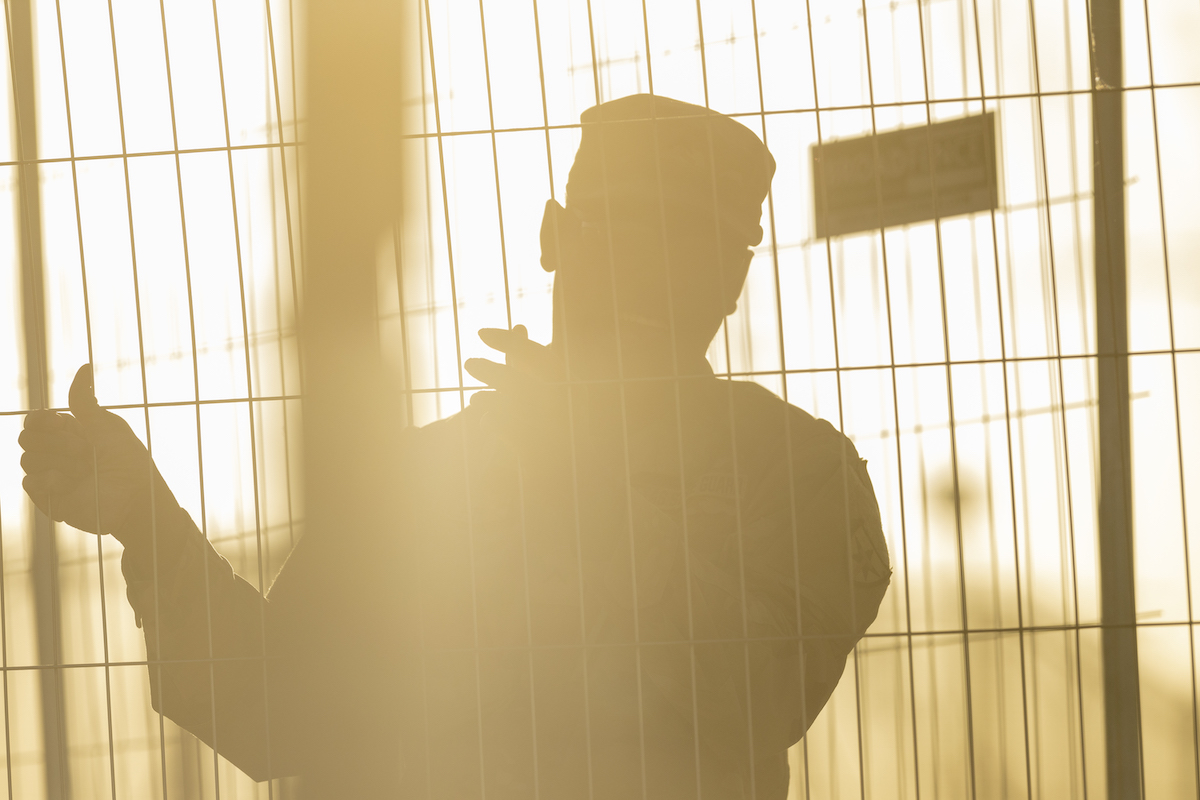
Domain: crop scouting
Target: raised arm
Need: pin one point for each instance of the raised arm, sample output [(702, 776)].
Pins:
[(206, 629)]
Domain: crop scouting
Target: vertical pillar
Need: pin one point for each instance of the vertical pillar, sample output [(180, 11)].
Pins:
[(33, 312), (1117, 601), (353, 92)]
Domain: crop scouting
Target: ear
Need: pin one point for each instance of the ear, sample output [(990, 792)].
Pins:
[(560, 232)]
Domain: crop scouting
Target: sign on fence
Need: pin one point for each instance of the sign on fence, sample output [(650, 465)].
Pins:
[(905, 176)]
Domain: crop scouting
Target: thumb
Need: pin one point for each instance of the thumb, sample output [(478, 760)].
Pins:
[(81, 398)]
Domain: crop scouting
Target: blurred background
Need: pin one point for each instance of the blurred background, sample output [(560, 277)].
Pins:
[(152, 222)]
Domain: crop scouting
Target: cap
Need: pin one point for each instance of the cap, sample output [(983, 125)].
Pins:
[(644, 154)]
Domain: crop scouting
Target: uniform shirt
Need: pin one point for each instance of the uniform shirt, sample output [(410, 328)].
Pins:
[(661, 615)]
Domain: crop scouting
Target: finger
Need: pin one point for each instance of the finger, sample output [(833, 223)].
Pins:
[(506, 340), (502, 377), (521, 351), (47, 420), (497, 338), (497, 376), (70, 442), (484, 401), (44, 487), (38, 461), (82, 398), (37, 486), (527, 356), (69, 454), (43, 460)]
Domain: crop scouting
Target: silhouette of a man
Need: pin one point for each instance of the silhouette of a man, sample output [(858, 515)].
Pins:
[(612, 576)]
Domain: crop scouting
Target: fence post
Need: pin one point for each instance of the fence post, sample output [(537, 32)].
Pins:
[(44, 567), (1122, 719), (352, 187)]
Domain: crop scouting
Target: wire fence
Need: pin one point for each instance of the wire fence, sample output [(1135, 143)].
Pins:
[(959, 355)]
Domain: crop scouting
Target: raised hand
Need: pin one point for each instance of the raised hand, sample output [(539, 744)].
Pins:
[(528, 405), (88, 468)]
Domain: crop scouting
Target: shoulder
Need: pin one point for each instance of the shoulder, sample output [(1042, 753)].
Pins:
[(442, 434), (777, 434), (443, 452), (434, 451), (758, 408), (452, 425), (808, 473)]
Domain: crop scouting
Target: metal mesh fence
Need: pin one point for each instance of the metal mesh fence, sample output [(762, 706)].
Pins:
[(154, 225)]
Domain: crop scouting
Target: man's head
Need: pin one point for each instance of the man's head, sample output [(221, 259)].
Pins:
[(664, 201)]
